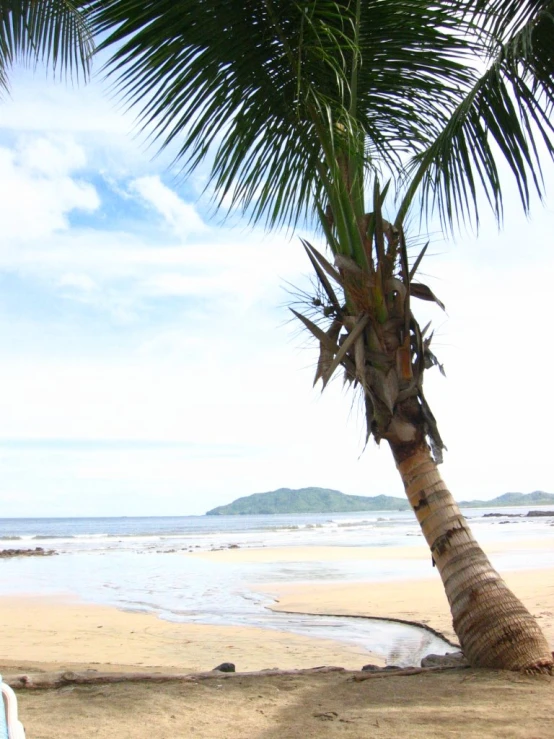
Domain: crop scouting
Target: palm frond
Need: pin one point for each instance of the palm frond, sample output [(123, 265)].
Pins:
[(502, 18), (508, 110), (268, 89), (54, 32)]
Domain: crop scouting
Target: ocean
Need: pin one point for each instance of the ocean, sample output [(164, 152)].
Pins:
[(146, 564)]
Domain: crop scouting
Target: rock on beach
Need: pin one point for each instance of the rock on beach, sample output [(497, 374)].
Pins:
[(36, 552)]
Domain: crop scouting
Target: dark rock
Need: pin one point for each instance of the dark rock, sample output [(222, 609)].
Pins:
[(456, 659), (392, 667), (234, 546), (224, 667), (36, 552), (534, 514), (370, 668)]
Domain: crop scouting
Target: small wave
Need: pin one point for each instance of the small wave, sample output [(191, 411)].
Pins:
[(142, 535), (354, 524), (295, 527), (53, 536)]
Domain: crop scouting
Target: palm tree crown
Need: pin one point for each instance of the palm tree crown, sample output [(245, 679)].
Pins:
[(274, 89)]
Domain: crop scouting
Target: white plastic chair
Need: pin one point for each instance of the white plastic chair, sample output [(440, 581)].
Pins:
[(10, 726)]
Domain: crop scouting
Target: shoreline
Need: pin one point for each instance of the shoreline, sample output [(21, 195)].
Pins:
[(60, 633), (62, 629), (340, 553), (53, 631), (53, 634)]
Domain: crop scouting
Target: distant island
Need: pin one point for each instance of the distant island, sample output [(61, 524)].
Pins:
[(323, 500), (511, 499), (307, 500)]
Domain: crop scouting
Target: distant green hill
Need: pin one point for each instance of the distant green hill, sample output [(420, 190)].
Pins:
[(322, 500), (307, 500), (511, 499)]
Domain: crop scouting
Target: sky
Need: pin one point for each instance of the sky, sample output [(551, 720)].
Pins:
[(148, 361)]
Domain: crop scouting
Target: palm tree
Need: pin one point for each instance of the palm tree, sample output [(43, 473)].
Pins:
[(54, 32), (310, 110)]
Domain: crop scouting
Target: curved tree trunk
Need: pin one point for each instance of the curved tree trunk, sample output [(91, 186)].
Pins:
[(373, 334), (493, 626)]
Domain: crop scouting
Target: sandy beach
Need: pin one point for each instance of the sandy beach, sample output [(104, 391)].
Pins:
[(44, 634), (65, 633), (421, 601)]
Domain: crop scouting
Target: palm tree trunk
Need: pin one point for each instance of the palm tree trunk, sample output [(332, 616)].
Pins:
[(493, 626)]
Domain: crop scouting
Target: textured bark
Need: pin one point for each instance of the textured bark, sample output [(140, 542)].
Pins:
[(493, 626)]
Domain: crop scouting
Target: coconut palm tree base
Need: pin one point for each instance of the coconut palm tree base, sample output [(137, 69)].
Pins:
[(494, 628)]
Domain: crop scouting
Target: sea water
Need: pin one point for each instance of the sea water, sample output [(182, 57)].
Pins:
[(145, 564)]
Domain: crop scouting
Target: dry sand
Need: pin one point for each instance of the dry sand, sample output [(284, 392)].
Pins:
[(46, 634), (468, 704)]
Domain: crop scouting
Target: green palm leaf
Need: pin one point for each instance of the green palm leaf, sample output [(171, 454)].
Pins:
[(509, 109), (268, 96), (54, 32)]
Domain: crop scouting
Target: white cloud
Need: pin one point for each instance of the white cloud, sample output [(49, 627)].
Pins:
[(53, 157), (80, 282), (39, 105), (37, 192), (180, 216), (229, 267)]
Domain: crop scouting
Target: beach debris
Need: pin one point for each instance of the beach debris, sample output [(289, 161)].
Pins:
[(402, 672), (326, 715), (225, 667), (36, 552), (49, 680), (456, 659)]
